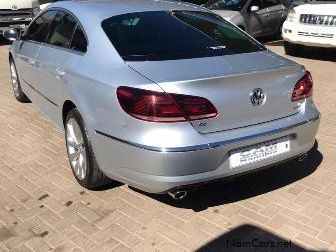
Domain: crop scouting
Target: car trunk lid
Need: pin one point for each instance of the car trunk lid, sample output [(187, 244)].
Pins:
[(228, 82)]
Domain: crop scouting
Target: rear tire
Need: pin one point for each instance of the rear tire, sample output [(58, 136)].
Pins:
[(81, 157), (292, 49), (18, 93)]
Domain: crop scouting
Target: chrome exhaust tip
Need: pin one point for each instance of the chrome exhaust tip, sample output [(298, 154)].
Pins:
[(178, 195), (303, 157)]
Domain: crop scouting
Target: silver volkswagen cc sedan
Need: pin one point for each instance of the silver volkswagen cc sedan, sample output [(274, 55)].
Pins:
[(161, 95)]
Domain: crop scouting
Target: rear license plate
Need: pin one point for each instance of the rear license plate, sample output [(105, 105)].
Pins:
[(259, 152)]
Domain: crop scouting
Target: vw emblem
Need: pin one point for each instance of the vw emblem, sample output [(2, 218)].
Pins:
[(14, 7), (258, 97)]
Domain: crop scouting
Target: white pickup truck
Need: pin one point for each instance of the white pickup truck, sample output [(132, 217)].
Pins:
[(17, 13)]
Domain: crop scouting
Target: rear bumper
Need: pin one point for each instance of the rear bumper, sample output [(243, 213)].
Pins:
[(160, 171), (309, 35)]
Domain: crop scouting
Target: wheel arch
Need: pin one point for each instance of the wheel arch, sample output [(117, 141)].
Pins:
[(67, 106)]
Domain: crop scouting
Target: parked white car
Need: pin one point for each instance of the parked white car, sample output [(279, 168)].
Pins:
[(311, 24)]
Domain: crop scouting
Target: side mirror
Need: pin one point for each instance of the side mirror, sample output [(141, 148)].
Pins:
[(254, 8), (11, 35)]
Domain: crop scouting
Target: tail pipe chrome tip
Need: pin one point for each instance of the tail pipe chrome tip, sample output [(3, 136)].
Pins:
[(178, 195), (303, 157)]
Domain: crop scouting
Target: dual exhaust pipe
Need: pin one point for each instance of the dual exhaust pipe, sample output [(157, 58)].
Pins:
[(178, 195), (303, 157), (181, 194)]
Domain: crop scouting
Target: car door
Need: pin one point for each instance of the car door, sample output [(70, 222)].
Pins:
[(277, 14), (52, 61), (257, 18), (29, 47)]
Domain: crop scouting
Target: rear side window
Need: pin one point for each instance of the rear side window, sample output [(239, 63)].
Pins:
[(79, 42), (39, 29), (62, 30), (163, 35)]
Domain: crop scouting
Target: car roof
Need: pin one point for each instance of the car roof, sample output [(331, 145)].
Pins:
[(103, 9)]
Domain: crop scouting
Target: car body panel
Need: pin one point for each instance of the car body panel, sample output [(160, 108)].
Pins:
[(167, 170), (257, 23), (157, 157), (235, 17), (50, 81), (25, 60), (277, 15)]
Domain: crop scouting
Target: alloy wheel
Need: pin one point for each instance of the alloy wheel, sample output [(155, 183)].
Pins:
[(76, 149), (14, 77)]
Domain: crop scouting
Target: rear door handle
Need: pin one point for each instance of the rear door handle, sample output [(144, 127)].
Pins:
[(59, 72), (31, 62)]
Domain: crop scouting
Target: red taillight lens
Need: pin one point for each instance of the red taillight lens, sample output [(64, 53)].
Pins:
[(163, 107), (304, 88)]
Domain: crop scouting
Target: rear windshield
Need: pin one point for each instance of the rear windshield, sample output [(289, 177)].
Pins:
[(169, 35)]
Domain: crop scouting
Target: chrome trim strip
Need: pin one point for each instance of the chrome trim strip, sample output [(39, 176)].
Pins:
[(210, 145)]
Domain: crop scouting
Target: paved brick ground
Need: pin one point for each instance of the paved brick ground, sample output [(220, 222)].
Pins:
[(43, 209)]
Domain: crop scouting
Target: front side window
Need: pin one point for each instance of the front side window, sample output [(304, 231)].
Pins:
[(161, 35), (39, 29), (62, 30)]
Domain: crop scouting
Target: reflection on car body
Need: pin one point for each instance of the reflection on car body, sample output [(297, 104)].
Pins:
[(257, 17)]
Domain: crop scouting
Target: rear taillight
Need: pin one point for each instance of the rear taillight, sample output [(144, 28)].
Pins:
[(303, 88), (164, 107)]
